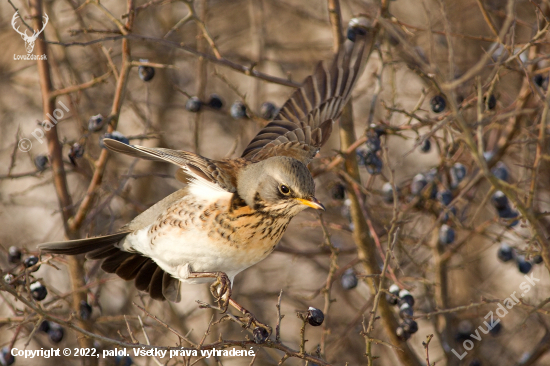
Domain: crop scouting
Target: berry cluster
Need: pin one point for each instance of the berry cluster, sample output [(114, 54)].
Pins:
[(238, 109), (405, 301), (24, 267), (17, 278), (506, 253), (368, 155), (54, 331)]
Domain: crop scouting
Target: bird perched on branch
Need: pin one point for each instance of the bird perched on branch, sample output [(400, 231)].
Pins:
[(233, 212)]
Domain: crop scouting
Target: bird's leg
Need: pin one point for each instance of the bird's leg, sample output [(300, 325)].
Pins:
[(223, 294), (251, 318)]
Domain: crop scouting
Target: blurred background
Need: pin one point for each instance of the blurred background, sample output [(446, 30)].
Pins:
[(450, 114)]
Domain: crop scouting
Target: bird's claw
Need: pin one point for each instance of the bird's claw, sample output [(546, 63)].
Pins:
[(252, 320), (221, 290)]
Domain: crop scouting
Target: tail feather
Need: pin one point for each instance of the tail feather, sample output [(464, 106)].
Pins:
[(144, 275), (155, 286), (111, 263), (129, 269), (81, 246), (101, 253), (148, 276)]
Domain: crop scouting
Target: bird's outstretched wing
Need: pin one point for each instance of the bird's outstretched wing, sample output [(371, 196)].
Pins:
[(304, 123), (222, 173)]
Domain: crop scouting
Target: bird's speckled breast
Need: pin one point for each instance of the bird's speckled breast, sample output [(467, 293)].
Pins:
[(245, 235)]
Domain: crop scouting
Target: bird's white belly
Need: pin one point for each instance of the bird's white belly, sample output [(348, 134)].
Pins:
[(182, 241)]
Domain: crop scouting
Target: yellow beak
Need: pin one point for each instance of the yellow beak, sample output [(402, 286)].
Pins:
[(312, 202)]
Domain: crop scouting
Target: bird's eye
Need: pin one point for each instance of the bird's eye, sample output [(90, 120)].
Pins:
[(284, 189)]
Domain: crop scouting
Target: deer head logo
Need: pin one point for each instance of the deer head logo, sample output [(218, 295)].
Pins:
[(29, 40)]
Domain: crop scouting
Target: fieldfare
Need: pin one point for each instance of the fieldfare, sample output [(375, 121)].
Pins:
[(233, 212)]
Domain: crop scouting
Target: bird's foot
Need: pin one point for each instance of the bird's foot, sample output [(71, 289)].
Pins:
[(249, 319), (221, 290)]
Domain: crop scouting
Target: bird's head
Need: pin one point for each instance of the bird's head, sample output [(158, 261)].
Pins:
[(279, 186)]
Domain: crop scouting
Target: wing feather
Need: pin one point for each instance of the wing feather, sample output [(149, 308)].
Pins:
[(304, 123)]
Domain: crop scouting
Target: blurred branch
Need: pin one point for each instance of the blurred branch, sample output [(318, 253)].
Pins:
[(247, 70), (364, 242), (60, 181)]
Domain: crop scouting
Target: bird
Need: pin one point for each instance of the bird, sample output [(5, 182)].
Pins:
[(232, 212)]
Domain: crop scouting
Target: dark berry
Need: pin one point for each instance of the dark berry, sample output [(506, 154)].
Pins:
[(95, 123), (373, 143), (425, 146), (44, 326), (410, 326), (357, 26), (523, 265), (6, 359), (393, 297), (55, 333), (500, 171), (458, 173), (146, 73), (402, 334), (260, 335), (447, 215), (315, 316), (268, 111), (488, 155), (495, 330), (38, 291), (492, 103), (418, 183), (41, 162), (508, 214), (123, 361), (387, 192), (394, 290), (349, 279), (238, 110), (379, 130), (85, 310), (465, 327), (438, 104), (499, 200), (9, 279), (505, 253), (215, 102), (14, 254), (373, 163), (446, 234), (538, 79), (445, 197), (115, 136), (193, 104), (405, 311), (338, 191), (31, 261), (475, 362), (76, 152), (537, 259), (541, 81), (406, 297)]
